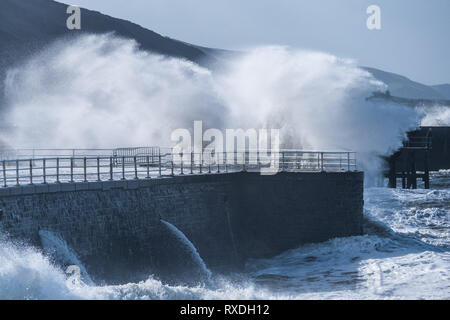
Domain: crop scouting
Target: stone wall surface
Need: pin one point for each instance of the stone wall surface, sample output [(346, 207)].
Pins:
[(115, 227)]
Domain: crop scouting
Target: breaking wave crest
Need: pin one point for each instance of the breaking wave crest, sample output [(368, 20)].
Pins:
[(118, 95)]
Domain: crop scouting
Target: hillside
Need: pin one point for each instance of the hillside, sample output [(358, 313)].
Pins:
[(443, 89), (28, 25), (40, 21), (403, 87)]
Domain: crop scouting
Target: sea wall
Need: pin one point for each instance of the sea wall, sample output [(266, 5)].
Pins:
[(115, 227)]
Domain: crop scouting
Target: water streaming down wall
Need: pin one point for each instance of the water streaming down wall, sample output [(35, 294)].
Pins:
[(116, 228), (60, 253), (193, 267)]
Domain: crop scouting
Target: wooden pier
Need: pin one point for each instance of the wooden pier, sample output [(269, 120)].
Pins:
[(412, 161)]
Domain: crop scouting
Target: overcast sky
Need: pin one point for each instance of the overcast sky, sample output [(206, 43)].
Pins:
[(414, 40)]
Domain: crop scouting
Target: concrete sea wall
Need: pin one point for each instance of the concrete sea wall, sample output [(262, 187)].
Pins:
[(115, 227)]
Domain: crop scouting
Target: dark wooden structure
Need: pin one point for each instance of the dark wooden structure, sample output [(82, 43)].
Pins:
[(412, 161), (426, 149)]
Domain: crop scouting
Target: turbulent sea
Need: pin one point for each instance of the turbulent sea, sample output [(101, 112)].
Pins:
[(404, 254)]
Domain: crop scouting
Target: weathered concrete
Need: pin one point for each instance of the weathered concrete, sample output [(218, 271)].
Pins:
[(115, 226)]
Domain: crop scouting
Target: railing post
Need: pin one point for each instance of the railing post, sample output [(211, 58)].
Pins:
[(159, 159), (111, 169), (44, 175), (192, 163), (123, 168), (135, 168), (282, 163), (31, 171), (201, 161), (348, 160), (71, 170), (225, 161), (98, 169), (172, 174), (148, 166), (243, 162), (4, 173), (57, 170), (321, 161), (218, 162), (17, 173), (181, 165), (85, 169), (258, 161)]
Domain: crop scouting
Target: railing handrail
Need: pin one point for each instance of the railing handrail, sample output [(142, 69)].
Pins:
[(168, 148), (81, 157), (134, 166)]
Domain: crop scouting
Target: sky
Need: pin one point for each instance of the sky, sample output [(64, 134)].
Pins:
[(414, 39)]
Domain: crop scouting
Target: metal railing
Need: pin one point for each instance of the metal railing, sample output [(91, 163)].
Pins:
[(127, 154), (158, 162), (13, 154)]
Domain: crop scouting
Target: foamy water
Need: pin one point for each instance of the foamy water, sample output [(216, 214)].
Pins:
[(404, 255)]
